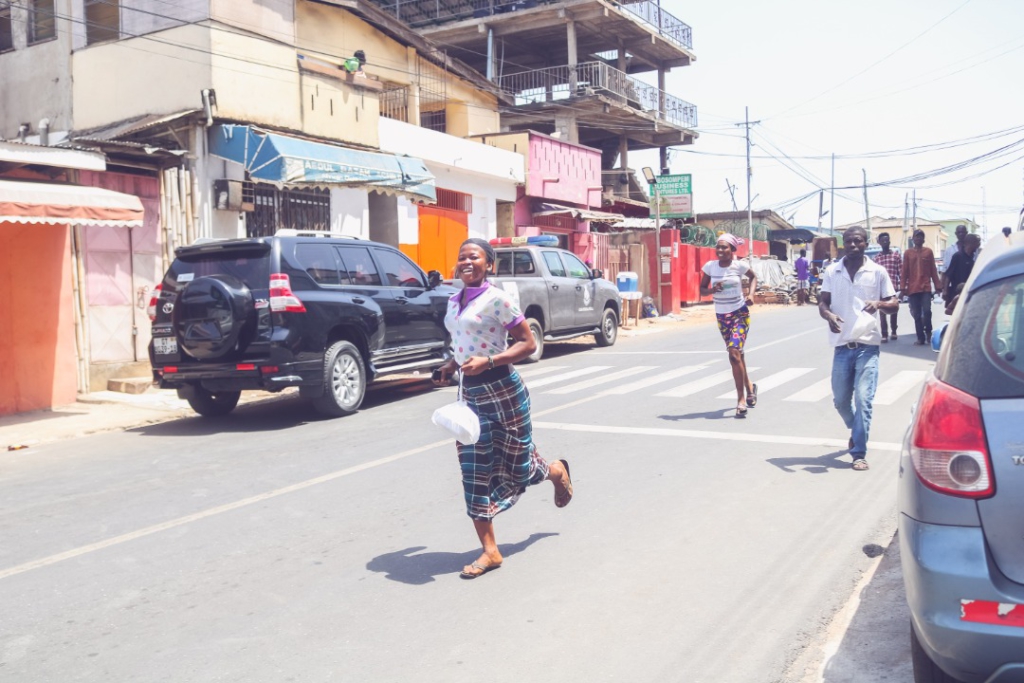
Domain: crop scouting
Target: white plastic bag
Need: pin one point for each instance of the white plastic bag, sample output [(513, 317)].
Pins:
[(459, 420), (860, 325)]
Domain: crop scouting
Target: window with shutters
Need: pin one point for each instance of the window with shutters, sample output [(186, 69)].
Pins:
[(6, 29), (102, 20), (42, 25)]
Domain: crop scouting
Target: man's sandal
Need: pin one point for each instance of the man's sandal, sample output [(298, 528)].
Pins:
[(478, 569), (860, 464), (752, 397)]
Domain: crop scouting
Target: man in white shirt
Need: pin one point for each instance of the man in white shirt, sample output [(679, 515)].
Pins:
[(853, 290)]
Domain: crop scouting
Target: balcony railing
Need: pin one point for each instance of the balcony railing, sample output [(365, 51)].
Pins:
[(419, 13), (596, 78), (667, 25)]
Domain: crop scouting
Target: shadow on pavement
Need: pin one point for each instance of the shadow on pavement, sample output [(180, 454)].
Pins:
[(709, 415), (814, 465), (904, 346), (417, 568), (875, 647)]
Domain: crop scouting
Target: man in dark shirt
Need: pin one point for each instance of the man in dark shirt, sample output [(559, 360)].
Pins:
[(960, 267), (891, 260)]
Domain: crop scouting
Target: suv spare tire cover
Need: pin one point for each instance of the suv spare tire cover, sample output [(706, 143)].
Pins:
[(211, 315)]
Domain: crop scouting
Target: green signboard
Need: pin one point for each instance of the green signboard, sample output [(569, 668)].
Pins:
[(676, 195)]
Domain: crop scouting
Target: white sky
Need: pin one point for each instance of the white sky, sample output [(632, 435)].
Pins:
[(779, 58)]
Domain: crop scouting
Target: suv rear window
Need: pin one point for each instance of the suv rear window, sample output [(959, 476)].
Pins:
[(986, 356), (251, 266)]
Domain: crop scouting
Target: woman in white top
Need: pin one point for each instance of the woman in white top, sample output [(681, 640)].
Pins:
[(723, 280), (496, 469)]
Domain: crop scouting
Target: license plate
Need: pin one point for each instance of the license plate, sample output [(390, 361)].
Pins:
[(165, 346)]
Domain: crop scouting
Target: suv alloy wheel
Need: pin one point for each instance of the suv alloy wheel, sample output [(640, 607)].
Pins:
[(344, 380)]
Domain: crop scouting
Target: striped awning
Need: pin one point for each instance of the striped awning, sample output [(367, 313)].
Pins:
[(54, 204)]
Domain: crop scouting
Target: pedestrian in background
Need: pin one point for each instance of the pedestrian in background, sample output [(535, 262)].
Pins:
[(496, 469), (803, 275), (851, 288), (919, 274), (960, 268), (947, 257), (723, 280), (891, 260)]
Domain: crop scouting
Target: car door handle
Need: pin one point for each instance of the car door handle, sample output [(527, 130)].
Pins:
[(579, 288), (401, 299), (554, 286), (358, 300)]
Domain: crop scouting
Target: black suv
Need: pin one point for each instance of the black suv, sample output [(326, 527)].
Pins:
[(318, 311)]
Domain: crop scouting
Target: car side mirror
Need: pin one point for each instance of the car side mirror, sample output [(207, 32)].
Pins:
[(596, 274), (937, 336), (433, 279)]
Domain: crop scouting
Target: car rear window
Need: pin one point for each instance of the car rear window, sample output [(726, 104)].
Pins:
[(251, 266), (986, 355)]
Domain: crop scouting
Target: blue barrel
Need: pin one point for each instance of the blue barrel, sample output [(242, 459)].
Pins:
[(627, 281)]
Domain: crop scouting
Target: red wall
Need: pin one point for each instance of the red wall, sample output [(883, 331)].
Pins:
[(37, 333)]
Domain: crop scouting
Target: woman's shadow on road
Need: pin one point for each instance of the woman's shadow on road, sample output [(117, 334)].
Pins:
[(416, 568)]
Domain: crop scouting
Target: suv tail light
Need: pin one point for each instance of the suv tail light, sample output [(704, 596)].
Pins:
[(282, 299), (948, 445), (153, 301)]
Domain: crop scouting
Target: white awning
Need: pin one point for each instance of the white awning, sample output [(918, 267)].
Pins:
[(52, 204), (549, 209)]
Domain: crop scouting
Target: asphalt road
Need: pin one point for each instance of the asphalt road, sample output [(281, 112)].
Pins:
[(276, 545)]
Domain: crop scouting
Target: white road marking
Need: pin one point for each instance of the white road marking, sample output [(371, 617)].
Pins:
[(535, 371), (651, 381), (701, 384), (719, 435), (188, 519), (597, 381), (654, 353), (892, 389), (785, 339), (566, 375), (772, 381), (818, 391)]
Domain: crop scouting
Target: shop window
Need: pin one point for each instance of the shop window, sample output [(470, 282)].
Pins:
[(6, 30), (102, 20), (287, 208), (41, 23)]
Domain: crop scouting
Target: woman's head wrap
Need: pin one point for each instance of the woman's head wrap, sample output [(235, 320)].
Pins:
[(732, 240), (483, 244)]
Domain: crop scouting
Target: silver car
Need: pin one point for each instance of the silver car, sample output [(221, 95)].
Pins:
[(961, 489)]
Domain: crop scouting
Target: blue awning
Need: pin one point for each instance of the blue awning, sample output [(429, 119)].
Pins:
[(279, 159)]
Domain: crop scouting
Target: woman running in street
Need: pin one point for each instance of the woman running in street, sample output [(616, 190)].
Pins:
[(496, 469), (723, 280)]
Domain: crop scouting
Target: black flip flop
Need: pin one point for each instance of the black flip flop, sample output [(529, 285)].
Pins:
[(483, 570), (565, 464), (752, 397)]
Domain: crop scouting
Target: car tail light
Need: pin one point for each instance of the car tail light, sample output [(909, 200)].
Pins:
[(170, 369), (269, 369), (153, 300), (948, 445), (282, 299)]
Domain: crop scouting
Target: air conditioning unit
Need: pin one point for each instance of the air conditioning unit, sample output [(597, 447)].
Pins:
[(233, 195)]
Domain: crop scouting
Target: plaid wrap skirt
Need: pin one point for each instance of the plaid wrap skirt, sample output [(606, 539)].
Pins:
[(497, 469)]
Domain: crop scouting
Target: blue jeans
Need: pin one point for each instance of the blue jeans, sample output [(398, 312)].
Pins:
[(854, 379)]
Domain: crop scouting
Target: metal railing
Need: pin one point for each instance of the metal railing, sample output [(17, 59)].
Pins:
[(418, 13), (394, 103), (556, 83), (667, 25)]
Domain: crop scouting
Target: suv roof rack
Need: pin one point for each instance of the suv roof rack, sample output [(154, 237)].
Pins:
[(291, 232)]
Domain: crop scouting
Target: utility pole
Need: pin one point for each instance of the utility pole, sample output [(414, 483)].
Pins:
[(747, 123), (906, 218), (984, 215), (732, 193), (821, 205), (915, 211), (867, 209), (832, 201)]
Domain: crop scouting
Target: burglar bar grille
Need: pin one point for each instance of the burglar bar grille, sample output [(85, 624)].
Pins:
[(305, 209)]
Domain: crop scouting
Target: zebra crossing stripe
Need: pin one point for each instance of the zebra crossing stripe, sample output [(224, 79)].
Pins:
[(772, 381), (723, 435), (567, 375), (893, 388), (651, 381), (588, 383), (818, 391), (701, 384), (536, 371)]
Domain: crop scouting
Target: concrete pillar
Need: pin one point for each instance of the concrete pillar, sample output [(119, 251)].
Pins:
[(570, 35), (661, 92), (412, 60), (623, 152), (567, 128)]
